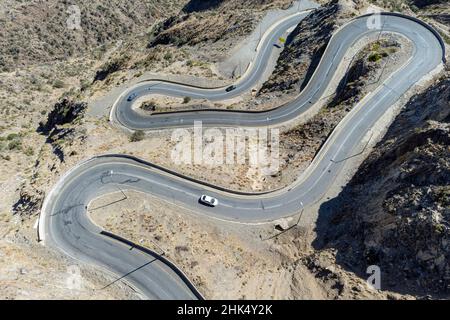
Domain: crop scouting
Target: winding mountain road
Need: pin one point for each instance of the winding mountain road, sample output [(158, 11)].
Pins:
[(65, 224)]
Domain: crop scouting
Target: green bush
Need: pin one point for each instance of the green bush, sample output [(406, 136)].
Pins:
[(137, 136), (375, 57), (29, 151), (58, 84), (12, 136), (186, 99), (15, 145), (148, 106)]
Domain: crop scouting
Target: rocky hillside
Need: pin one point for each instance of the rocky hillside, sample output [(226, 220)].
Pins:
[(395, 212), (202, 5), (415, 5), (64, 133), (205, 22), (305, 46), (369, 69), (38, 31), (189, 42)]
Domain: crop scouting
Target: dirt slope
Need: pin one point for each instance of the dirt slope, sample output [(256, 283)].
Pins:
[(395, 212)]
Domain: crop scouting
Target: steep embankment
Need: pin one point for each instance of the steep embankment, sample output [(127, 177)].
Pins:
[(370, 68), (305, 46), (395, 212)]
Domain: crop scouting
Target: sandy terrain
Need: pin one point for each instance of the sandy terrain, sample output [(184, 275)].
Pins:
[(31, 271), (227, 260)]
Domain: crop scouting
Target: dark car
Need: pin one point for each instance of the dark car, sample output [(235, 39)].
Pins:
[(230, 88), (132, 96)]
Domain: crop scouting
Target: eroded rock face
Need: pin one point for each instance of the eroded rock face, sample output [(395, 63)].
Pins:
[(29, 202), (64, 112), (206, 22), (424, 3), (304, 48), (61, 129), (302, 142), (395, 213), (109, 68), (412, 232), (62, 125), (201, 5), (206, 27)]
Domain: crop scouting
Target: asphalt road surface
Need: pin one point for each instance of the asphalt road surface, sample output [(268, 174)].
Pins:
[(65, 225)]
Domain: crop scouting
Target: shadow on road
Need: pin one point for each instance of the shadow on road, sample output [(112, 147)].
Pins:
[(128, 273)]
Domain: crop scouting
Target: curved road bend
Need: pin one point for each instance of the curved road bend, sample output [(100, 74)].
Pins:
[(427, 54), (64, 222)]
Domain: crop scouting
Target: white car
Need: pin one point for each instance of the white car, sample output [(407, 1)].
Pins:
[(210, 201)]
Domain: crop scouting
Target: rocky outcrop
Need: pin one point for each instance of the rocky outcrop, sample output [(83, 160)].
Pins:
[(64, 112), (367, 68), (111, 67), (201, 5), (58, 127), (195, 28), (424, 3), (203, 22), (442, 18), (29, 202), (395, 212), (304, 48), (304, 141), (204, 5), (61, 129)]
